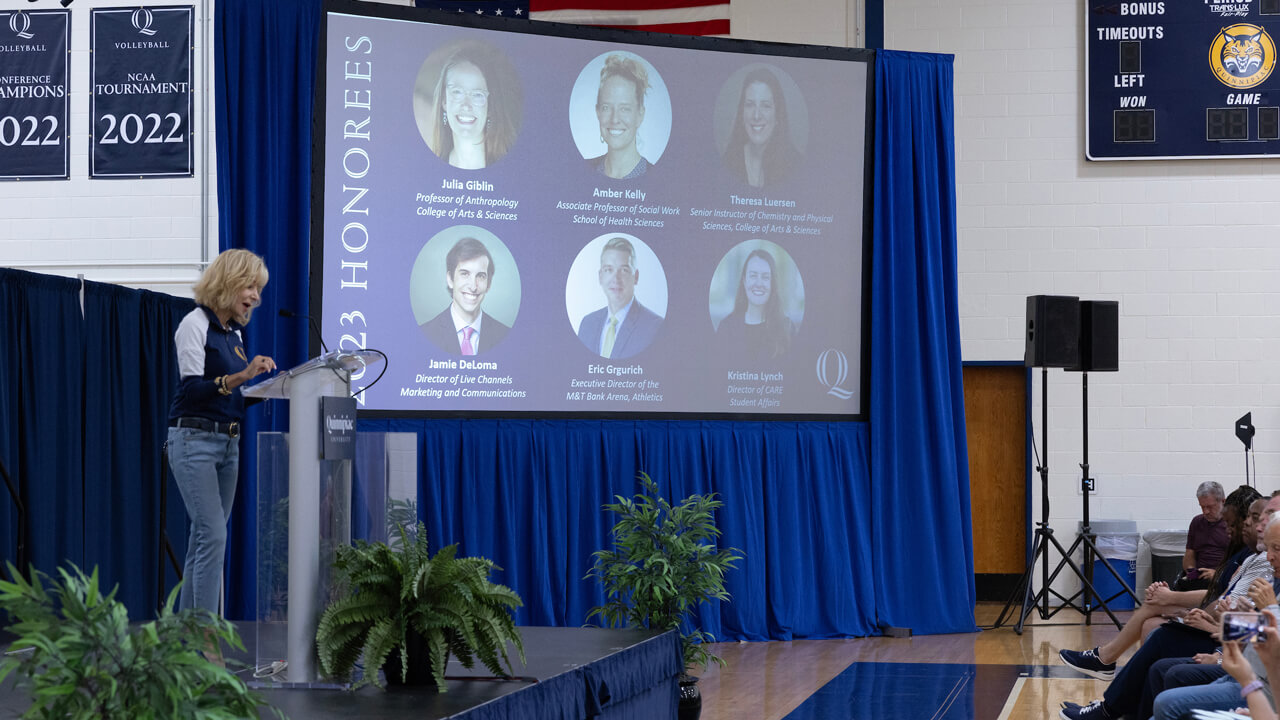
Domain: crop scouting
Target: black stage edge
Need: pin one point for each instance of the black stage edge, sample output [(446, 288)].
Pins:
[(569, 673)]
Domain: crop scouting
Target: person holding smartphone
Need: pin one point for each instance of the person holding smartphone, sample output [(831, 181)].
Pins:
[(1244, 668), (1249, 664), (1130, 693)]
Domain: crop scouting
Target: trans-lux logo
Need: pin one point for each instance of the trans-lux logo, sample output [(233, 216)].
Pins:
[(1242, 55), (1228, 8)]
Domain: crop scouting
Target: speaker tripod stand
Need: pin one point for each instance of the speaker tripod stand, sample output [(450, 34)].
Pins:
[(1046, 542)]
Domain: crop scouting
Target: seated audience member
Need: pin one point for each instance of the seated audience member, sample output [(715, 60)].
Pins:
[(1204, 667), (1251, 668), (1234, 511), (1206, 539), (1159, 600), (1241, 673), (1128, 692)]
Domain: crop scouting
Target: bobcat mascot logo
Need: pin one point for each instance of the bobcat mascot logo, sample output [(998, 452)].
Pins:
[(1242, 56)]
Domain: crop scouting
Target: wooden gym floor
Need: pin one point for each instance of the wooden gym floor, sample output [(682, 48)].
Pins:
[(987, 675)]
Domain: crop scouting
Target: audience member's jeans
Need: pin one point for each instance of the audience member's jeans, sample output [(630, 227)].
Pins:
[(1221, 694), (205, 466), (1180, 672), (1128, 693)]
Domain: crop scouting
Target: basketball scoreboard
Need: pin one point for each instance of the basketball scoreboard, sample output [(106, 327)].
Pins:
[(1181, 79)]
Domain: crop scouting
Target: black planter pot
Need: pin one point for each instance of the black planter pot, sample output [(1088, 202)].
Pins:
[(419, 664), (690, 707)]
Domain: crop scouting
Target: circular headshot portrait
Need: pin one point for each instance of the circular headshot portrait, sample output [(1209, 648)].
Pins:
[(467, 103), (756, 301), (620, 115), (465, 290), (616, 295), (761, 125)]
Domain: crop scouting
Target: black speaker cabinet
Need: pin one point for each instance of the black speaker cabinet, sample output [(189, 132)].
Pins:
[(1053, 331), (1099, 336)]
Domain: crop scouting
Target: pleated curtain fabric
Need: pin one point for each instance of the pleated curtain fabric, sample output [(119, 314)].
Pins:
[(839, 520), (83, 407), (265, 60), (923, 573)]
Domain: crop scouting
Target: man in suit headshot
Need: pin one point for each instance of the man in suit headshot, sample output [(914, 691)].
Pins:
[(464, 328), (623, 327)]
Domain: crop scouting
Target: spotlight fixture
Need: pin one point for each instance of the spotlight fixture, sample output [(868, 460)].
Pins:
[(1245, 430)]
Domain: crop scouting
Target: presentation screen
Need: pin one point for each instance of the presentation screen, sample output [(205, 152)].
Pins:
[(538, 218)]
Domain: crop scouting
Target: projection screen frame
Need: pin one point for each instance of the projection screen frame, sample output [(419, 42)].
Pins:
[(745, 48)]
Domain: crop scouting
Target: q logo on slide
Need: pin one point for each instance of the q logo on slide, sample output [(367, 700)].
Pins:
[(1242, 55), (840, 375)]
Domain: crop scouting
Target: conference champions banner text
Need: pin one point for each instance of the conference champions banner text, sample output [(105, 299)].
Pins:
[(141, 92), (34, 104)]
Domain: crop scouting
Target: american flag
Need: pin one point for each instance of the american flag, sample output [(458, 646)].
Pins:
[(682, 17)]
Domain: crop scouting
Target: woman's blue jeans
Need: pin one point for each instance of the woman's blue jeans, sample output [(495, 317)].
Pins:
[(204, 465)]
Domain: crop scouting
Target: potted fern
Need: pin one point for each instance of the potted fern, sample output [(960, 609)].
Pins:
[(664, 563), (400, 599), (77, 655)]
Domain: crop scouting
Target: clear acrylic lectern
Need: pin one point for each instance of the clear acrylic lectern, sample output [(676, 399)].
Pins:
[(316, 489)]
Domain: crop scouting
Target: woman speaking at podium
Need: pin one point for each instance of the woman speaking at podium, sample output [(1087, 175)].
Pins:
[(204, 420)]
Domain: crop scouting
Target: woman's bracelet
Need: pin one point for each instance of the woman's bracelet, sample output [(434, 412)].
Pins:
[(221, 382), (1250, 688)]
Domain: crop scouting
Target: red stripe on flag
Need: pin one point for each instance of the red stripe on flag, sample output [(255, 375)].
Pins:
[(616, 5), (707, 27)]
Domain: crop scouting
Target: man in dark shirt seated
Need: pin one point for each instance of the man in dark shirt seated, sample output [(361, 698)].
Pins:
[(1206, 539)]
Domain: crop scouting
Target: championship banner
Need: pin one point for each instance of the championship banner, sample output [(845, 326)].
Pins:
[(34, 101), (140, 94)]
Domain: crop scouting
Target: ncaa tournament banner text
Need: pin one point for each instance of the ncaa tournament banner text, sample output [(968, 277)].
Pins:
[(33, 95), (141, 93)]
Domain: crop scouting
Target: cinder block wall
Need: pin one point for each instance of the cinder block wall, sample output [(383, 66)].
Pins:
[(1188, 248)]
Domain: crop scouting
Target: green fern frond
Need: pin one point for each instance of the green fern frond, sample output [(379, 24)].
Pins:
[(385, 635), (449, 600)]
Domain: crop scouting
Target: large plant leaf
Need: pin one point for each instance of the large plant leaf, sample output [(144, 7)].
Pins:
[(663, 563)]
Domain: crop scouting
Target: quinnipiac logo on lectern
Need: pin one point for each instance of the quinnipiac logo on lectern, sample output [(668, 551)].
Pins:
[(1242, 55)]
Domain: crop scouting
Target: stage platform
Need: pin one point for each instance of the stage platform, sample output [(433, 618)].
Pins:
[(569, 674)]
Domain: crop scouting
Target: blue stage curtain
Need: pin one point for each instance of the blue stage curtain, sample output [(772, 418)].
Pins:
[(265, 56), (159, 316), (923, 574), (83, 414), (130, 374), (843, 524), (528, 494), (43, 342)]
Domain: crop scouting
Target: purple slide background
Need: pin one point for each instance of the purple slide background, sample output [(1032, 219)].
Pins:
[(365, 294)]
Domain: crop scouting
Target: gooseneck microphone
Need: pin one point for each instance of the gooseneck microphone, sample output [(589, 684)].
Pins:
[(285, 312)]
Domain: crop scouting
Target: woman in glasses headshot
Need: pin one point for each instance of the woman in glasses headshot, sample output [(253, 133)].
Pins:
[(476, 108)]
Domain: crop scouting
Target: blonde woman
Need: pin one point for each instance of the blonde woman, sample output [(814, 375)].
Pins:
[(204, 419), (620, 112)]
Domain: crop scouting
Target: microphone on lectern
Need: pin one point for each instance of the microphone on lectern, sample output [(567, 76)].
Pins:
[(285, 312)]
